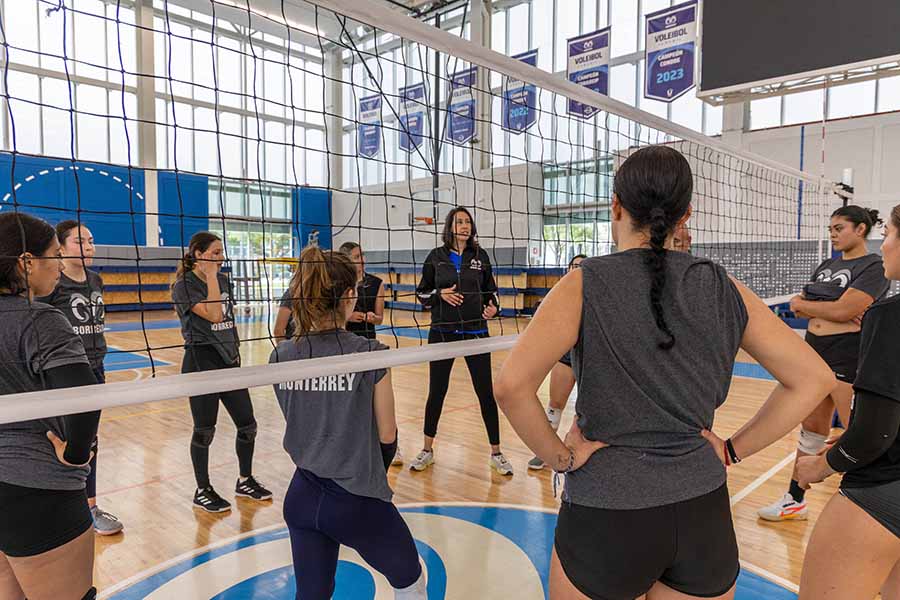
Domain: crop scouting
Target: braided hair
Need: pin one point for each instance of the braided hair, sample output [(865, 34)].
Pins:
[(654, 185)]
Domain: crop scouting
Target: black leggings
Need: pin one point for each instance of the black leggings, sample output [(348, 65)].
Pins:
[(439, 379), (205, 411)]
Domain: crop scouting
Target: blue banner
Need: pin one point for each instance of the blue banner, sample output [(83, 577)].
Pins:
[(671, 47), (588, 65), (369, 129), (412, 116), (520, 99), (461, 120)]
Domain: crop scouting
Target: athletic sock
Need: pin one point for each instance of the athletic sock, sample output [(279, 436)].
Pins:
[(797, 492)]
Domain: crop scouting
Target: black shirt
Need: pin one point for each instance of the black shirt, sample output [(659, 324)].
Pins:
[(189, 291), (865, 274), (82, 304), (366, 296), (474, 279), (878, 373)]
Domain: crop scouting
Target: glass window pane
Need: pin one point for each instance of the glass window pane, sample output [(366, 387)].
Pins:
[(888, 94), (57, 132), (175, 65), (621, 84), (90, 39), (123, 150), (274, 83), (803, 107), (121, 37), (203, 71), (542, 32), (21, 27), (851, 99), (688, 111), (518, 29), (588, 15), (91, 133), (229, 72), (315, 165), (25, 115), (498, 31), (207, 161), (275, 152), (624, 27), (51, 36), (713, 124), (566, 27), (231, 144), (765, 112)]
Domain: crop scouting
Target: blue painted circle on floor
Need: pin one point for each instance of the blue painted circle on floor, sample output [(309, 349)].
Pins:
[(529, 531)]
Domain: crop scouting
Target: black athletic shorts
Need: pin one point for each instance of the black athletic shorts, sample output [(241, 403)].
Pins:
[(33, 521), (567, 359), (619, 554), (881, 502), (840, 352)]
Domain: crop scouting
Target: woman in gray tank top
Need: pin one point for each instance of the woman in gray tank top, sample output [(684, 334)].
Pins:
[(654, 334)]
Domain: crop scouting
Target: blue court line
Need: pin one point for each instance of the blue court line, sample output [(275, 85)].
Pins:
[(753, 370), (119, 360)]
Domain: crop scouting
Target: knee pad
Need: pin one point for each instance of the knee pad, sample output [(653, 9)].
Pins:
[(811, 442), (203, 436), (247, 433), (91, 594)]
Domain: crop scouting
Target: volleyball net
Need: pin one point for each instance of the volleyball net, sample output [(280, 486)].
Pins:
[(334, 121)]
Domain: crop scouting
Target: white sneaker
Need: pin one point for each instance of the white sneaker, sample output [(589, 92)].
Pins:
[(785, 509), (535, 464), (422, 461), (499, 463), (398, 459)]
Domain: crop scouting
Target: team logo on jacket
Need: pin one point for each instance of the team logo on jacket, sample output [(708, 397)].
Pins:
[(840, 278), (475, 264)]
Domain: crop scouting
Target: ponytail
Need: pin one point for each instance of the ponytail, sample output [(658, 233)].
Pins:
[(200, 242), (859, 216), (659, 231), (654, 185), (318, 288)]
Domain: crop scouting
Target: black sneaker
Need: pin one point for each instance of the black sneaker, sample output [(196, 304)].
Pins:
[(210, 501), (251, 488)]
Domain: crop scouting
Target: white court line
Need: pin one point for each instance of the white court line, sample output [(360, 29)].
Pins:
[(762, 479)]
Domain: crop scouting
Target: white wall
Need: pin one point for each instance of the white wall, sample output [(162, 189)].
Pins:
[(868, 145), (506, 202)]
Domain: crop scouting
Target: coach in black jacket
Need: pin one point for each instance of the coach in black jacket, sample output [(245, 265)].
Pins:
[(458, 286)]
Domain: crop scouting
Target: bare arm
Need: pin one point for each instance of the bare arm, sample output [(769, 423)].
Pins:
[(851, 304), (376, 317), (211, 308), (804, 378), (281, 321), (552, 332), (385, 418)]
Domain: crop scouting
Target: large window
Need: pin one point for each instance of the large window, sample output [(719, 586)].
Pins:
[(255, 222)]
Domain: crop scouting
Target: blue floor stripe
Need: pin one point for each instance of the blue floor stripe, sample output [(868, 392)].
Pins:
[(119, 360), (751, 370)]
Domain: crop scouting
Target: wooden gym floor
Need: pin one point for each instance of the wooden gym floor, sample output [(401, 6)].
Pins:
[(145, 475)]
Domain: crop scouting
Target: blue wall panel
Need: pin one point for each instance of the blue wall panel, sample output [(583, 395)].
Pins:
[(312, 213), (110, 203), (183, 207)]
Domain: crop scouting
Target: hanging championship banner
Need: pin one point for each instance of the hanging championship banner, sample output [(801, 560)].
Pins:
[(461, 120), (588, 65), (670, 49), (520, 99), (368, 131), (412, 116)]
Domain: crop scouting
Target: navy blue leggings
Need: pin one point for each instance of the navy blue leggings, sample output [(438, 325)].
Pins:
[(321, 516)]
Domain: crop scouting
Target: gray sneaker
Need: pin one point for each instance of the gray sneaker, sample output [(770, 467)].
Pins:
[(422, 461), (105, 523), (535, 464)]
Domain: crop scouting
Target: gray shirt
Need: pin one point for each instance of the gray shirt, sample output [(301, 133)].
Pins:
[(82, 303), (650, 404), (35, 338), (189, 291), (331, 429), (865, 274)]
